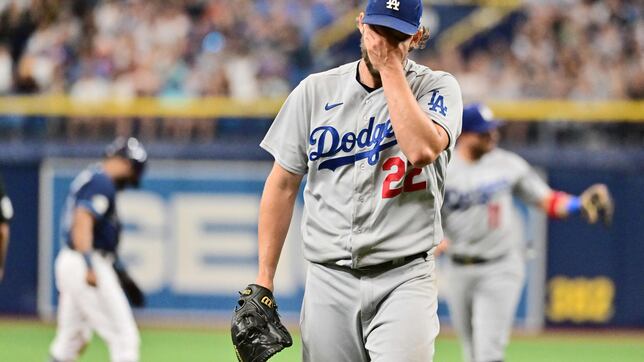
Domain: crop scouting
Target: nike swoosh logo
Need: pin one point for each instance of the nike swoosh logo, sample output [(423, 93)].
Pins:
[(328, 106)]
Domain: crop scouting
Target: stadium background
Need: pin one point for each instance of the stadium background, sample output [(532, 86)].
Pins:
[(199, 82)]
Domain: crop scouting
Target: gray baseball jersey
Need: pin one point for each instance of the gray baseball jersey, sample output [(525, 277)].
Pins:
[(483, 191), (364, 202), (481, 221)]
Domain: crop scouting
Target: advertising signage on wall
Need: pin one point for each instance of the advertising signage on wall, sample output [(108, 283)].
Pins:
[(595, 273), (190, 240)]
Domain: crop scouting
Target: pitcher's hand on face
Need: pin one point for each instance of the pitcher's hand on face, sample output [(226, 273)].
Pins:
[(384, 52)]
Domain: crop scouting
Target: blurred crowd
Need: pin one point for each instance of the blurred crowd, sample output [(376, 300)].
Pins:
[(583, 49), (245, 49), (97, 49)]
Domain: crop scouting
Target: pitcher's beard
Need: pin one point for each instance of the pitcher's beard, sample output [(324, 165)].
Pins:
[(373, 71)]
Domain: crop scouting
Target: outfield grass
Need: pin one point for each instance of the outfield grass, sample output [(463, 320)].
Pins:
[(29, 341)]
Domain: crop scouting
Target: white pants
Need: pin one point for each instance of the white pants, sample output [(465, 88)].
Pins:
[(83, 309)]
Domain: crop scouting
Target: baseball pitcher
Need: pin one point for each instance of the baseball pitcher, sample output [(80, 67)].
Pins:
[(485, 272), (92, 290), (373, 138)]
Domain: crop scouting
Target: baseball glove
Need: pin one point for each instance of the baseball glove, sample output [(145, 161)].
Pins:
[(256, 329), (131, 290), (597, 204)]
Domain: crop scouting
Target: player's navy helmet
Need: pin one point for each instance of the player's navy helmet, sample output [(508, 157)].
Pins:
[(478, 118), (401, 15), (130, 149)]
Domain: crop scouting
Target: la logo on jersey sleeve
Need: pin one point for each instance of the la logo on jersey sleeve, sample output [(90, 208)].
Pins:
[(437, 103)]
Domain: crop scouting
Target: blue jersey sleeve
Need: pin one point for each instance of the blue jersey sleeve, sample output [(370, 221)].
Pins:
[(96, 196)]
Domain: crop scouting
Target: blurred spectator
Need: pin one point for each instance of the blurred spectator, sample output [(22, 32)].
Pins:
[(248, 49), (565, 49), (6, 70), (245, 49), (117, 49)]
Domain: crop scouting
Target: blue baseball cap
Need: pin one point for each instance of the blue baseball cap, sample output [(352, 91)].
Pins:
[(478, 118), (401, 15), (132, 150)]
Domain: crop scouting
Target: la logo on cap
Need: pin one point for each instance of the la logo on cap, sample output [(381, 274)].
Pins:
[(486, 113), (393, 5)]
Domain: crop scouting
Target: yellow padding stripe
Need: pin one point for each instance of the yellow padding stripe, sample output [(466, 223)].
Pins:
[(141, 107), (557, 110), (217, 107)]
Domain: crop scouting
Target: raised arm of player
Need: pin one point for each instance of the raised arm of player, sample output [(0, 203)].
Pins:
[(534, 190), (557, 204), (275, 212), (594, 203), (82, 238), (420, 139)]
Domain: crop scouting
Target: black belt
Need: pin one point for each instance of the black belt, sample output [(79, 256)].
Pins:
[(394, 263), (472, 260)]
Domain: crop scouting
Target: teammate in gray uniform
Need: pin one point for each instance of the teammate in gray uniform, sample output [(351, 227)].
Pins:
[(485, 272), (373, 138)]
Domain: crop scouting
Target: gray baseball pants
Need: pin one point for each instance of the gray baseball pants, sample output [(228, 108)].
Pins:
[(386, 315), (482, 300)]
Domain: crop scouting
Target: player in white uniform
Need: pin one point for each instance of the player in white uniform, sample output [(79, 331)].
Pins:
[(91, 297), (373, 138), (485, 271)]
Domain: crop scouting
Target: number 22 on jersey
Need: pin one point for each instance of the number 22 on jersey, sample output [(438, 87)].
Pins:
[(400, 172)]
